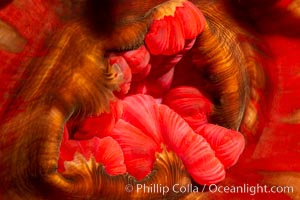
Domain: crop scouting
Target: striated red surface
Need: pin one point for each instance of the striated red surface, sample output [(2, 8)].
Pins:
[(163, 102)]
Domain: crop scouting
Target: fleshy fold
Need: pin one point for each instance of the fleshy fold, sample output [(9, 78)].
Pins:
[(144, 126), (105, 151), (167, 35)]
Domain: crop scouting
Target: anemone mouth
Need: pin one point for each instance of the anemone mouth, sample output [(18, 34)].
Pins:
[(141, 138), (140, 141), (158, 148)]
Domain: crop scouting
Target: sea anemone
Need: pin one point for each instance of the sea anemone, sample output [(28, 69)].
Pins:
[(152, 92)]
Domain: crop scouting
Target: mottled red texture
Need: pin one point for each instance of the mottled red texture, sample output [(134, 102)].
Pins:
[(35, 21)]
